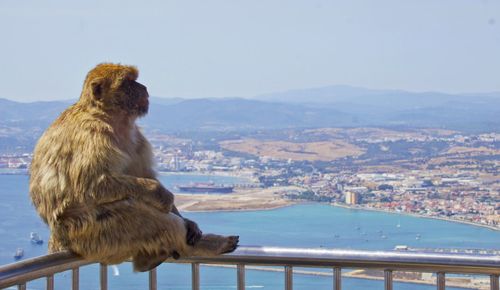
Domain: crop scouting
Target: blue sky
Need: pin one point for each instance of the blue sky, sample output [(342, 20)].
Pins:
[(244, 48)]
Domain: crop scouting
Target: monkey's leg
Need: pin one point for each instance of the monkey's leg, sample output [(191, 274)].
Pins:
[(208, 245), (176, 245), (121, 230), (114, 232)]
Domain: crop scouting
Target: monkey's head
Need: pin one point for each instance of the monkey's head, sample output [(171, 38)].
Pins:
[(113, 88)]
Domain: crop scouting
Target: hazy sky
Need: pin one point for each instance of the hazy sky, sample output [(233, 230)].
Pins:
[(243, 48)]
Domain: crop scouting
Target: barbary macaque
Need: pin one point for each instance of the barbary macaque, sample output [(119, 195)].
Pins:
[(92, 181)]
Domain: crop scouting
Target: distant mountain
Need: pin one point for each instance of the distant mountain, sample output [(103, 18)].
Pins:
[(25, 122), (379, 98), (475, 112), (239, 114), (335, 106), (165, 101), (22, 123), (12, 111)]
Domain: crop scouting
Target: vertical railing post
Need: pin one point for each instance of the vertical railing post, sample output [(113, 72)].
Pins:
[(103, 277), (153, 282), (241, 276), (195, 276), (337, 278), (50, 282), (494, 282), (441, 281), (75, 279), (388, 279), (288, 278), (21, 286)]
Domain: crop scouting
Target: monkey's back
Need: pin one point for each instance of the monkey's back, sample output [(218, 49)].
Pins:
[(61, 171)]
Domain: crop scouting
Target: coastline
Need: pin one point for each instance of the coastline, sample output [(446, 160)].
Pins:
[(269, 201), (264, 202), (415, 215), (261, 202)]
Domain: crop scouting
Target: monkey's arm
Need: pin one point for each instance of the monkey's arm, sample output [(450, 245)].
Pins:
[(103, 180), (113, 187), (193, 234), (145, 167)]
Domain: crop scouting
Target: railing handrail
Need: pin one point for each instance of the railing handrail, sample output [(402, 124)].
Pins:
[(37, 267), (42, 266), (347, 258)]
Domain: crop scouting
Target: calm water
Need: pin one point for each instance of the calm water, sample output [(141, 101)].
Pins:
[(309, 225)]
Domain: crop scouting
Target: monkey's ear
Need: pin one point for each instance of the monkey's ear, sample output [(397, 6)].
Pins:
[(97, 89)]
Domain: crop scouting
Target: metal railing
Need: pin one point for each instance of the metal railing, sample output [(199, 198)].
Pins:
[(46, 266)]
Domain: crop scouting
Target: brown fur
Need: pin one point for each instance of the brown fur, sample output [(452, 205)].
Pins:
[(92, 180)]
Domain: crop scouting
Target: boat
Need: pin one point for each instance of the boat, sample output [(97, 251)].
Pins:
[(417, 237), (35, 238), (19, 253), (206, 187), (398, 225)]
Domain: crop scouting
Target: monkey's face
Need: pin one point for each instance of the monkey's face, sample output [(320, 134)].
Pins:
[(113, 87), (132, 96), (126, 96)]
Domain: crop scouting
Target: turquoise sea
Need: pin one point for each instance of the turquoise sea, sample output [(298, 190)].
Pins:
[(306, 225)]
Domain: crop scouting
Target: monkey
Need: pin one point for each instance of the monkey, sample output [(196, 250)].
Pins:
[(92, 181)]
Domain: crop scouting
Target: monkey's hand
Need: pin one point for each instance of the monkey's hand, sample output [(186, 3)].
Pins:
[(193, 232)]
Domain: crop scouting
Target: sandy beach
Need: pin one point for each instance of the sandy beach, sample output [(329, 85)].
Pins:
[(241, 199)]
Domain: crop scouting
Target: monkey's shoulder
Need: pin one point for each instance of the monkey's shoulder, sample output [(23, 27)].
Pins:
[(82, 120), (75, 133)]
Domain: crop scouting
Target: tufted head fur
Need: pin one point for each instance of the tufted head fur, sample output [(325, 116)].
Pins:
[(113, 88)]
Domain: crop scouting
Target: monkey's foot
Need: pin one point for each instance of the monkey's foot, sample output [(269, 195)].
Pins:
[(232, 244), (211, 245)]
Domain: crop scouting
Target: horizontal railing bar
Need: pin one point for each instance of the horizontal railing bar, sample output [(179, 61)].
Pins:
[(415, 261), (30, 269), (38, 267)]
